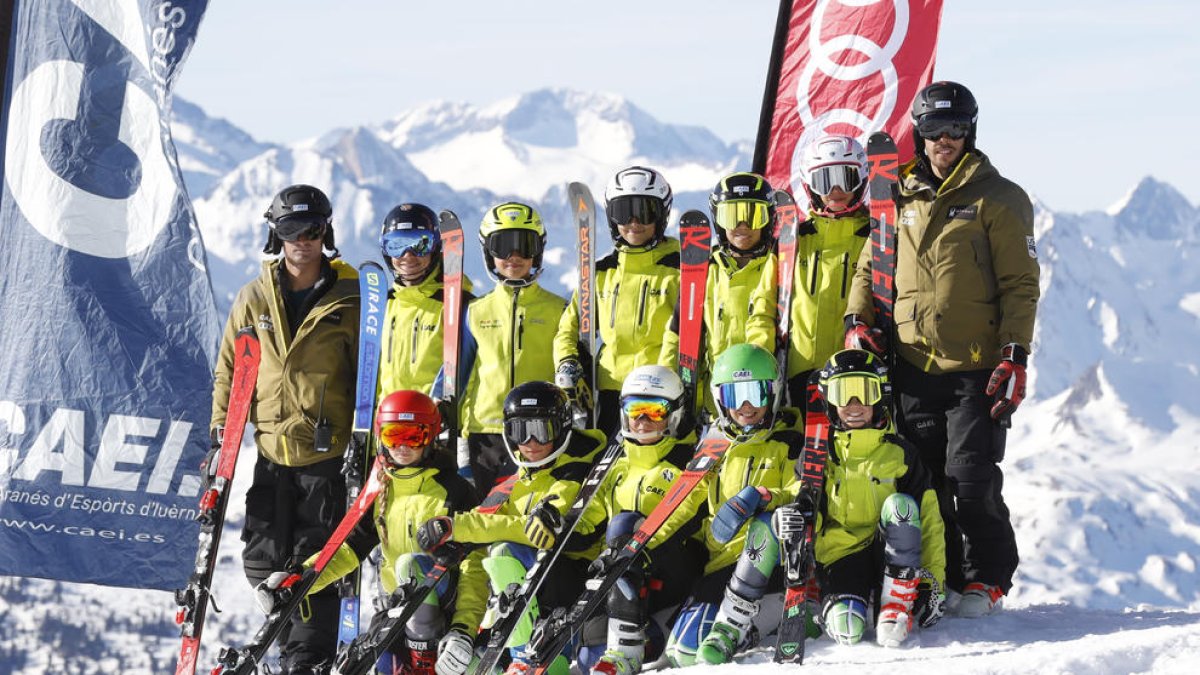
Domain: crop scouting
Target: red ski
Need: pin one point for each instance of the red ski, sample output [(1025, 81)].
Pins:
[(194, 598)]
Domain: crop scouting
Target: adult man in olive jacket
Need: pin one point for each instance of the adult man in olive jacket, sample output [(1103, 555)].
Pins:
[(304, 307), (966, 297)]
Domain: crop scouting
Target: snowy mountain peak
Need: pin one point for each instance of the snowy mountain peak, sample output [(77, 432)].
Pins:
[(528, 144), (1156, 210)]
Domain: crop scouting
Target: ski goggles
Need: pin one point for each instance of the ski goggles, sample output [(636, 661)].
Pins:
[(652, 408), (755, 214), (933, 127), (502, 244), (758, 392), (302, 228), (394, 435), (823, 179), (841, 390), (519, 430), (645, 210), (417, 242)]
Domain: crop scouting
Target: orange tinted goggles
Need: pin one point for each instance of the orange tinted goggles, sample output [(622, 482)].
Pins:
[(404, 434)]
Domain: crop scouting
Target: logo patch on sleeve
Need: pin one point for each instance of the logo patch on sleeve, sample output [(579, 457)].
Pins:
[(1031, 246), (963, 212)]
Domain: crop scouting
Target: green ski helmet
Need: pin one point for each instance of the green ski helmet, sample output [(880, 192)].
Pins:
[(744, 372), (855, 373)]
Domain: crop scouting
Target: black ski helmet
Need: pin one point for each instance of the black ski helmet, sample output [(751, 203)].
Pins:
[(856, 362), (299, 206), (744, 186), (948, 100), (411, 216), (540, 401)]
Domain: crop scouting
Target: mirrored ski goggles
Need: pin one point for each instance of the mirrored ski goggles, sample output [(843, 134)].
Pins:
[(652, 408), (758, 392), (502, 244), (841, 390), (520, 430), (645, 210), (730, 214), (395, 435), (932, 127), (417, 242), (823, 179)]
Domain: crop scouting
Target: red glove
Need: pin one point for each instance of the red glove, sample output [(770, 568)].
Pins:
[(861, 336), (1007, 383)]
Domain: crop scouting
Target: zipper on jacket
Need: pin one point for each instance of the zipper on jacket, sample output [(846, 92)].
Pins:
[(612, 307), (391, 338), (412, 358), (812, 273), (845, 272), (642, 304), (517, 320)]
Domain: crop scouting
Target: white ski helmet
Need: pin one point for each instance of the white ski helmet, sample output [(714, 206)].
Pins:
[(834, 161), (641, 192), (654, 382)]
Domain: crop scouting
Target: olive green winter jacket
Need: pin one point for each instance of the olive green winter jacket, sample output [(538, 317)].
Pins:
[(636, 293), (300, 377), (966, 268)]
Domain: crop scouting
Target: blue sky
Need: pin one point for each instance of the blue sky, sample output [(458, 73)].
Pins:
[(1079, 100)]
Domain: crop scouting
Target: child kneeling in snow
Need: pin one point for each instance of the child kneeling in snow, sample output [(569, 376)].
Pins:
[(879, 530)]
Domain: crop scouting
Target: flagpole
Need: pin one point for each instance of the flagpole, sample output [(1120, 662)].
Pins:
[(774, 68)]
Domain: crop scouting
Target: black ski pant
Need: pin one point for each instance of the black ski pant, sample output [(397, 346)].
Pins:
[(290, 514), (948, 417)]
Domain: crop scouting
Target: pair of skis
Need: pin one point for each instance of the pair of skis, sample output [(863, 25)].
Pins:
[(554, 632), (799, 563), (247, 659), (360, 656), (193, 599), (517, 600), (372, 286), (583, 209)]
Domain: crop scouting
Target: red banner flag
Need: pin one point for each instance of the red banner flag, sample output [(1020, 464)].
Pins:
[(851, 67)]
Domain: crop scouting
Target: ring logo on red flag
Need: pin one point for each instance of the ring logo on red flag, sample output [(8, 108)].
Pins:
[(846, 67)]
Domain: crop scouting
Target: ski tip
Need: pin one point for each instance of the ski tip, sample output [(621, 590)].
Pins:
[(879, 137), (694, 218)]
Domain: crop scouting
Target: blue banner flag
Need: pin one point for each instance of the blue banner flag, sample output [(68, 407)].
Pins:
[(108, 329)]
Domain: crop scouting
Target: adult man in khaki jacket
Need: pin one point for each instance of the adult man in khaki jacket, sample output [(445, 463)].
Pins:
[(304, 307), (966, 297)]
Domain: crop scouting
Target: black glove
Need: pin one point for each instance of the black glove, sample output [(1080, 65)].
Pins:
[(544, 524), (435, 532)]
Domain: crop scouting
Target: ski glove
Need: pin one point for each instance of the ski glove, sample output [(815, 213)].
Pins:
[(568, 375), (734, 513), (543, 524), (275, 591), (454, 651), (788, 522), (435, 532), (861, 336), (1007, 383)]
